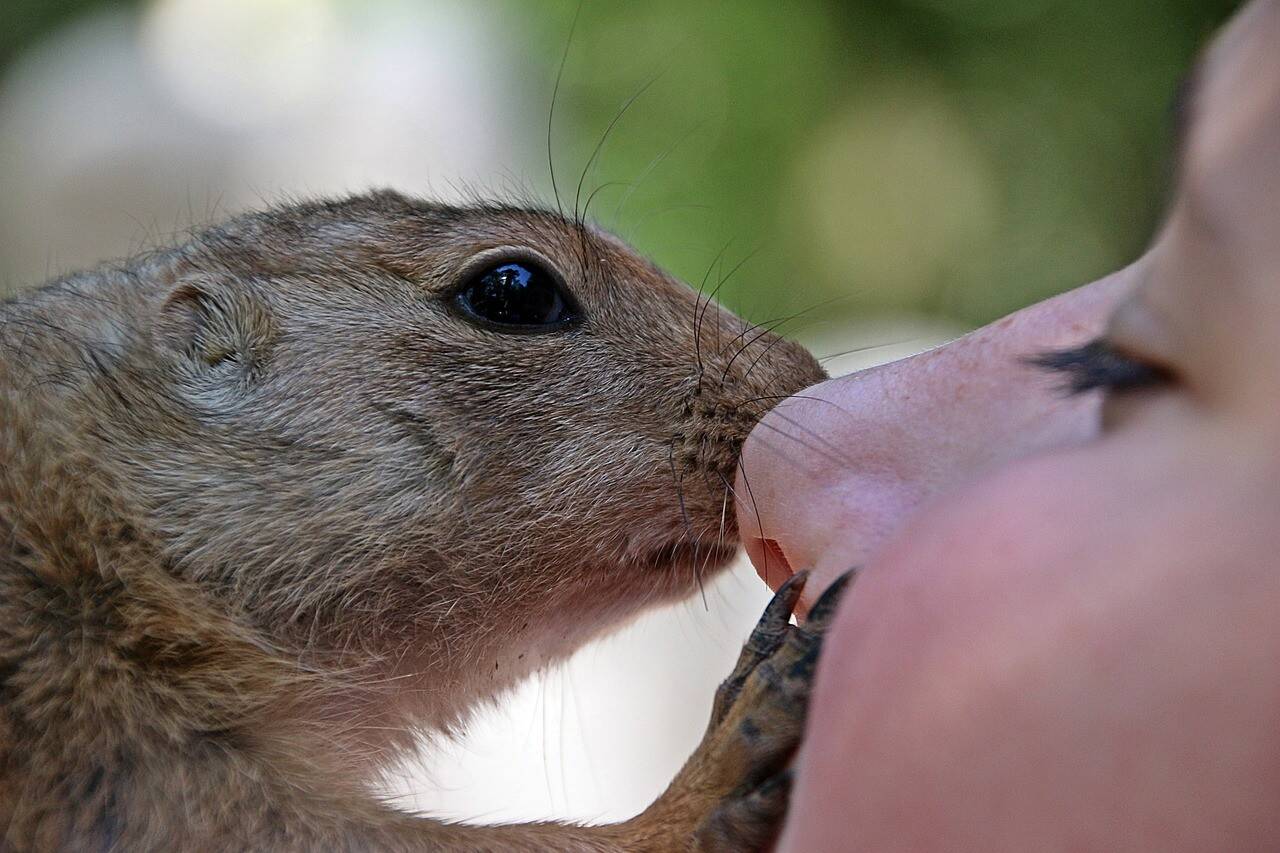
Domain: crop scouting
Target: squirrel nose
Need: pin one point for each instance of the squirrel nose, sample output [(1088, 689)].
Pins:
[(828, 476)]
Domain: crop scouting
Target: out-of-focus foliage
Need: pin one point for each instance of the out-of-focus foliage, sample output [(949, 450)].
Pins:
[(25, 21), (955, 158)]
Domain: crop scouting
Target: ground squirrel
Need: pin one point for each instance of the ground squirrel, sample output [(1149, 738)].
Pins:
[(277, 498)]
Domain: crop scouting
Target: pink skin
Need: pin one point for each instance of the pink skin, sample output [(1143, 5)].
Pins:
[(847, 463), (1066, 635)]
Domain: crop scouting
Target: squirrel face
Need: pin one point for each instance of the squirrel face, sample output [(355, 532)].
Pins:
[(378, 420)]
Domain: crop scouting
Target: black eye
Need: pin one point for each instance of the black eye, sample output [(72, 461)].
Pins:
[(517, 296)]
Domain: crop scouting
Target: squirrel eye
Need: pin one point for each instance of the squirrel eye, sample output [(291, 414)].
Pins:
[(516, 296)]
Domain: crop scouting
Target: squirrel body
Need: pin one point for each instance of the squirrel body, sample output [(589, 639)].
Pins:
[(272, 503)]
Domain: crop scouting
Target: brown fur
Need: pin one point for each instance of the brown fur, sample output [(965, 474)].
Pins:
[(268, 508)]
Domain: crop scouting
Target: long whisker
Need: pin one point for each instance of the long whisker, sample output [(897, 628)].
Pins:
[(700, 566), (756, 510), (551, 165), (830, 453), (721, 284), (605, 137), (763, 397), (760, 357), (653, 164), (724, 516), (749, 328), (760, 332), (729, 489), (824, 303), (772, 326), (867, 348), (777, 321), (663, 211), (815, 320), (684, 514), (697, 331), (586, 208), (769, 325)]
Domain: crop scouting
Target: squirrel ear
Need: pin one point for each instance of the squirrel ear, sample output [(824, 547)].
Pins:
[(215, 327)]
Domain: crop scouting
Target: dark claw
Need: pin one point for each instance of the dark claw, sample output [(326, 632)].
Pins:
[(768, 691), (769, 631), (768, 635), (784, 600), (823, 609)]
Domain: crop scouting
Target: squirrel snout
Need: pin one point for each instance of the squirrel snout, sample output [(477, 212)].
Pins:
[(742, 372)]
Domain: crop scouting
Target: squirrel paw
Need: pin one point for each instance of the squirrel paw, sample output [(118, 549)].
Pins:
[(733, 790), (758, 717)]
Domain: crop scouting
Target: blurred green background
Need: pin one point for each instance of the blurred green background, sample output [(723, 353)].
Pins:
[(943, 159)]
